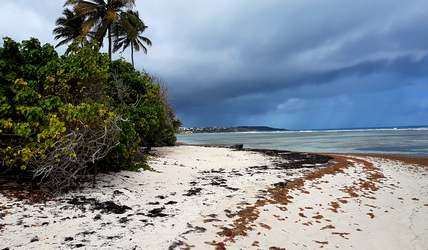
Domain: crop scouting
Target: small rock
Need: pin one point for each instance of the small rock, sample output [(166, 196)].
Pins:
[(68, 239), (34, 239), (85, 233), (237, 146), (157, 212), (97, 217), (117, 192), (193, 191)]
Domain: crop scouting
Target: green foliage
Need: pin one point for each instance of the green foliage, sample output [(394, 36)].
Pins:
[(55, 110), (78, 77), (44, 97), (138, 95)]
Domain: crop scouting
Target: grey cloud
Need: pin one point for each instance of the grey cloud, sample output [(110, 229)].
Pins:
[(275, 62)]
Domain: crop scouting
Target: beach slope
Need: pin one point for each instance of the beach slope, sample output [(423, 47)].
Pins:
[(219, 198)]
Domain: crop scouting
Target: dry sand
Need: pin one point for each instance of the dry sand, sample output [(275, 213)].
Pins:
[(217, 198)]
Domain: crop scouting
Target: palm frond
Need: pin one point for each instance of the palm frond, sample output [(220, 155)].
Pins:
[(119, 4), (85, 8), (145, 40), (71, 2), (141, 45), (63, 42), (68, 27)]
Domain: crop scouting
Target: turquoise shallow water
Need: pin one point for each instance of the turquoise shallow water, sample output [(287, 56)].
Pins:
[(395, 141)]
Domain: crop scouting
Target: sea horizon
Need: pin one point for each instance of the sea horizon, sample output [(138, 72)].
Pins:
[(422, 127), (409, 140)]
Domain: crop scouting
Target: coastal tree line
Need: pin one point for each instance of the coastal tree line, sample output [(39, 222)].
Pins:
[(65, 117)]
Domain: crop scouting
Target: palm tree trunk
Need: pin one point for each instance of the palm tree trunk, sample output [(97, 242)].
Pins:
[(109, 33), (132, 54), (109, 42)]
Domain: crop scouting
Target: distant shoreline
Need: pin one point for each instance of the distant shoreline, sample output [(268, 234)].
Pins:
[(196, 130), (233, 130)]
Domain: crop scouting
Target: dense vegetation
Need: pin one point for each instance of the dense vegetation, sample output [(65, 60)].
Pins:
[(63, 117)]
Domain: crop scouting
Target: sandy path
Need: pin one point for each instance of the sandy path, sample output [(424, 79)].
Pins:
[(219, 198)]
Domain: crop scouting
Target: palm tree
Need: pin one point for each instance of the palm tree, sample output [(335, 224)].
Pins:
[(101, 15), (69, 28), (128, 32)]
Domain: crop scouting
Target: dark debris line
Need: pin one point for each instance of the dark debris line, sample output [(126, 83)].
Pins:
[(294, 160), (104, 207)]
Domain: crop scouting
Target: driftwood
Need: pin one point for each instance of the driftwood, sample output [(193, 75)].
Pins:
[(71, 158)]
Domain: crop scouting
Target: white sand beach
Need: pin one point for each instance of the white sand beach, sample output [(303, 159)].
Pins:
[(219, 198)]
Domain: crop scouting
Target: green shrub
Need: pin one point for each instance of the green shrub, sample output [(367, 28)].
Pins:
[(141, 97), (48, 106), (60, 117)]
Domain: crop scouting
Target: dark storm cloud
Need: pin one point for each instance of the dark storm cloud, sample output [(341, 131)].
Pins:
[(403, 68), (288, 63)]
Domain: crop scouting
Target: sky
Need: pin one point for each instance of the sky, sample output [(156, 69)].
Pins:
[(297, 64)]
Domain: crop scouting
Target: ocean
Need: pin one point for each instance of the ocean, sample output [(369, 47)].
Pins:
[(412, 141)]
